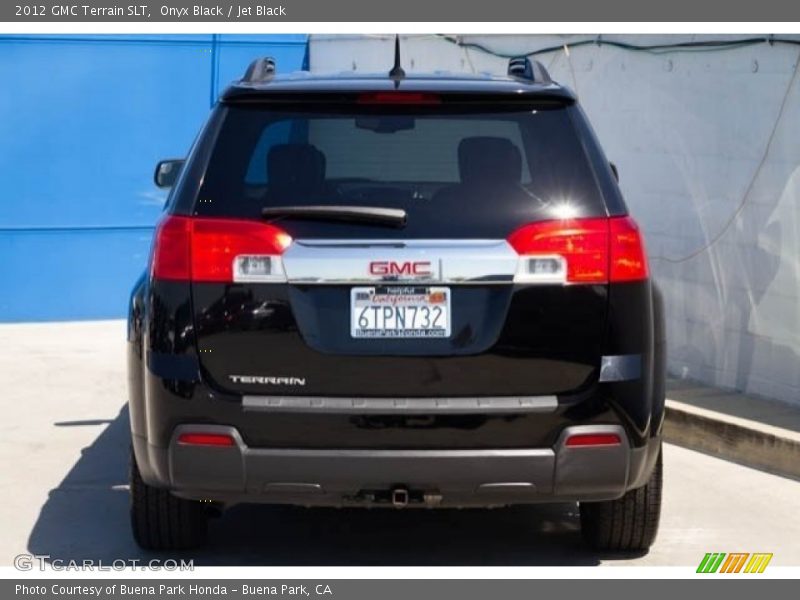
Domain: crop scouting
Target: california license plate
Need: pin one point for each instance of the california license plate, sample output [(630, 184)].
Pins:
[(400, 312)]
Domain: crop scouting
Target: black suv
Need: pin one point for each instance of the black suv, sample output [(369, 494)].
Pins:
[(401, 291)]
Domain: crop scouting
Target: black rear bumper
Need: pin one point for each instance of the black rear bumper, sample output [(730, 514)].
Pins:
[(369, 477), (468, 442), (356, 451)]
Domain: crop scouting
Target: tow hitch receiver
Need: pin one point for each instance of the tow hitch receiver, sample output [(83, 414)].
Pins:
[(399, 497)]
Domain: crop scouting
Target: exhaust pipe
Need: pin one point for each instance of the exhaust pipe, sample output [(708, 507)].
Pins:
[(400, 497)]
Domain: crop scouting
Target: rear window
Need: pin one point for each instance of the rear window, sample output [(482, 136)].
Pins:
[(457, 173)]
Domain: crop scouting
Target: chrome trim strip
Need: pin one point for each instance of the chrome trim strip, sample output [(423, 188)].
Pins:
[(439, 282), (404, 243), (347, 262), (363, 406)]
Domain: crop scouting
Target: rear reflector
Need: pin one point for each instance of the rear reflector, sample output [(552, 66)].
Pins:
[(223, 250), (398, 98), (596, 250), (206, 439), (593, 439)]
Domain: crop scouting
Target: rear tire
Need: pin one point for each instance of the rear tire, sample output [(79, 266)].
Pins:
[(160, 521), (629, 523)]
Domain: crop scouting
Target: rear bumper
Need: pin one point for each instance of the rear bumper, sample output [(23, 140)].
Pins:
[(330, 477)]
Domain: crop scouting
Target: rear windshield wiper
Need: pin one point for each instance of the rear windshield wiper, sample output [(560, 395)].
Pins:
[(390, 217)]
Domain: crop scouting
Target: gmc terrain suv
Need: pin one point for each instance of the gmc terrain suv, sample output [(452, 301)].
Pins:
[(400, 291)]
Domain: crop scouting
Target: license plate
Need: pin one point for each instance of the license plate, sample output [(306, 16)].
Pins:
[(400, 312)]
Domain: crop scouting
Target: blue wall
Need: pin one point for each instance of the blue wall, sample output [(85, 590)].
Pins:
[(84, 120)]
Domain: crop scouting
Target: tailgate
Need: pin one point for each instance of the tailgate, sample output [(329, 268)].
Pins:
[(297, 338)]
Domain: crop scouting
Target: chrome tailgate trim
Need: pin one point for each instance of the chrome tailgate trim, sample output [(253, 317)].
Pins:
[(347, 262), (334, 405)]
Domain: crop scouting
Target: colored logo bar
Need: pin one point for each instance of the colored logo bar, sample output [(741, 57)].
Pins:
[(734, 562)]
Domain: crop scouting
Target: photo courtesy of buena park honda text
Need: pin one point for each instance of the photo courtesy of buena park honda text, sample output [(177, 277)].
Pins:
[(344, 299)]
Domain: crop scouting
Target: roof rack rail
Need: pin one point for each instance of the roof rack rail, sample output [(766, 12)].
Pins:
[(260, 70), (523, 67)]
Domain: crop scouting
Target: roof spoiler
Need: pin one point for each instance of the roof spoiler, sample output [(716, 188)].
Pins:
[(260, 70), (523, 67)]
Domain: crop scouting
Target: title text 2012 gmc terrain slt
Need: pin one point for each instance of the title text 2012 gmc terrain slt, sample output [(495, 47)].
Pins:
[(401, 291)]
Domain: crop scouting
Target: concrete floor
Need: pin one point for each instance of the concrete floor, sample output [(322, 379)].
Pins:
[(63, 451)]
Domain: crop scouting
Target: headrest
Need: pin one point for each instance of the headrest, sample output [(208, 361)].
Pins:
[(487, 159), (295, 169)]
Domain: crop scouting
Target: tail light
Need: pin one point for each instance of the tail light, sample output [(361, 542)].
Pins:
[(219, 250), (628, 256), (597, 250)]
